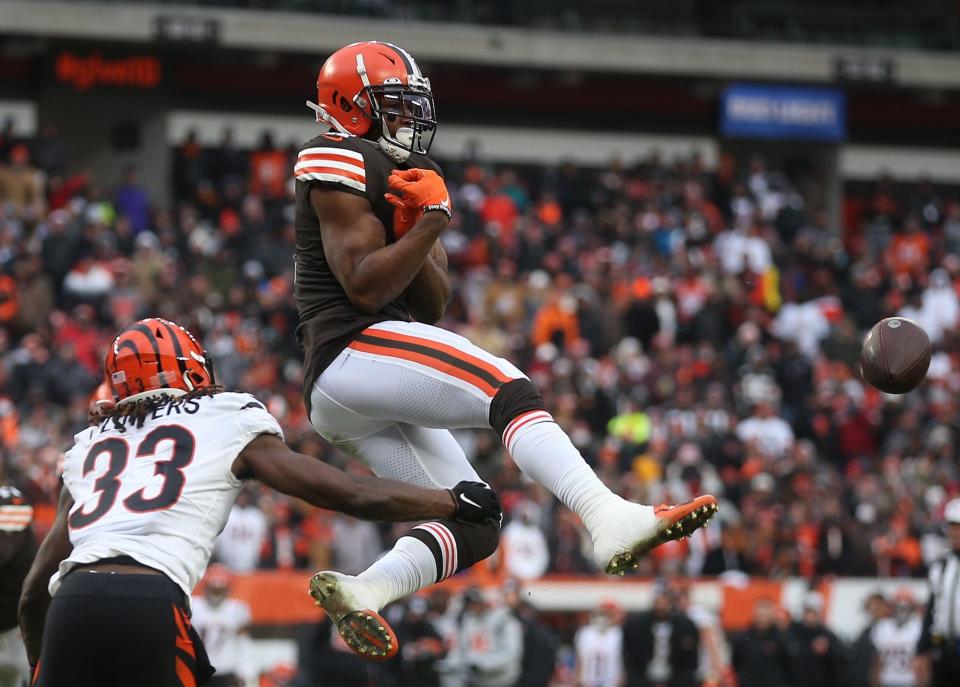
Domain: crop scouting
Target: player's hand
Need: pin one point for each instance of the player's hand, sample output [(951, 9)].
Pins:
[(404, 217), (476, 503), (99, 410), (422, 190)]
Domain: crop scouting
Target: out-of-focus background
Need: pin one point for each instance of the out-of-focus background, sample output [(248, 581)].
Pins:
[(678, 217)]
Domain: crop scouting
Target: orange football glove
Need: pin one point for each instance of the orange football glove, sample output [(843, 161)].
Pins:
[(422, 190), (403, 217)]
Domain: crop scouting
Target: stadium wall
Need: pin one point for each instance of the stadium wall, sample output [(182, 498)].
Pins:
[(278, 598)]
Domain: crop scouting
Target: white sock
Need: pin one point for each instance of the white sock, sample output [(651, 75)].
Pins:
[(545, 454), (408, 567)]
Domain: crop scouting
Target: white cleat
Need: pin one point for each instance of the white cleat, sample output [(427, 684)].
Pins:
[(631, 530), (363, 629)]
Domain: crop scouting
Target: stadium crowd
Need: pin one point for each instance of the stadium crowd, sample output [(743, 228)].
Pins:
[(693, 329)]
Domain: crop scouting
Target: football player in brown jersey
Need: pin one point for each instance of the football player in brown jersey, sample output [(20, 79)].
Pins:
[(381, 382)]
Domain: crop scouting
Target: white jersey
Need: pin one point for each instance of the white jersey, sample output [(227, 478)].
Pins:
[(160, 493), (599, 655), (220, 628), (896, 645)]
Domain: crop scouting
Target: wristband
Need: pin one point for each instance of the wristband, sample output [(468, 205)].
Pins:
[(438, 207)]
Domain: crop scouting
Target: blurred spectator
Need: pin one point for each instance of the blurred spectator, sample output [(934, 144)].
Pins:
[(540, 646), (223, 624), (556, 321), (229, 161), (726, 556), (862, 650), (188, 166), (268, 170), (356, 544), (761, 655), (421, 646), (661, 647), (239, 545), (49, 152), (523, 545), (714, 668), (21, 184), (599, 648), (769, 433), (895, 642), (819, 659), (8, 139), (325, 660), (741, 251), (131, 201), (33, 286), (489, 644)]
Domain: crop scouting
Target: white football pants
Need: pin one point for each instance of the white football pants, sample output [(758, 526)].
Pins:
[(391, 396)]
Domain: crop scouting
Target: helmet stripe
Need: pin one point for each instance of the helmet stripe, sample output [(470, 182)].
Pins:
[(127, 343), (145, 330), (406, 58), (178, 351)]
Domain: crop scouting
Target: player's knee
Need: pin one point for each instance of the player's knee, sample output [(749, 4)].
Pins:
[(513, 399), (471, 543), (474, 542)]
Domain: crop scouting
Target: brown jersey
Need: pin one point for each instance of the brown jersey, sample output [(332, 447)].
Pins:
[(328, 321), (18, 546)]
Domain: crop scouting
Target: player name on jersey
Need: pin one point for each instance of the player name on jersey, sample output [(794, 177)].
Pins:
[(188, 407)]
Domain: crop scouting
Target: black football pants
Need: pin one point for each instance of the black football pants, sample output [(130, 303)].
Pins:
[(120, 630)]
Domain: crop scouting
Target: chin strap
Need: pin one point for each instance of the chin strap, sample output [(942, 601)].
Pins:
[(393, 148)]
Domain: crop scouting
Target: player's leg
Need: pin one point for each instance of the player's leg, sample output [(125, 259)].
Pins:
[(111, 629), (422, 375), (156, 646), (73, 638), (428, 553)]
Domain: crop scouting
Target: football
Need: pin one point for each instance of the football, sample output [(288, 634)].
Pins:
[(895, 355)]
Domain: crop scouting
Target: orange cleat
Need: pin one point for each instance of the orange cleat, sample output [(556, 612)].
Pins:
[(364, 630), (669, 524)]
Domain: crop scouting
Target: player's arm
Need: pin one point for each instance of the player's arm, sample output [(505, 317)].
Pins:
[(372, 272), (34, 598), (430, 292), (268, 459)]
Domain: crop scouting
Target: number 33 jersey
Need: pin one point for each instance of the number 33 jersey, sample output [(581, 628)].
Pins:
[(160, 493)]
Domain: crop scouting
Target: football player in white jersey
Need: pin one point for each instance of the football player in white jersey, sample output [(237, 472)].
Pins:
[(599, 648), (895, 642), (222, 623), (147, 490)]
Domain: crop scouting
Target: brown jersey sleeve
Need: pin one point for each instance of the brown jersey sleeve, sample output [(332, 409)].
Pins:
[(335, 161)]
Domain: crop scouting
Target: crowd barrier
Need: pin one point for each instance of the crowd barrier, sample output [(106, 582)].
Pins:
[(281, 598)]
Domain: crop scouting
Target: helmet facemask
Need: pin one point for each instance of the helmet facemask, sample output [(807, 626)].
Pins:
[(413, 105)]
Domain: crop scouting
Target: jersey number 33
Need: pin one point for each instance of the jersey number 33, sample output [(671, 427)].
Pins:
[(110, 457)]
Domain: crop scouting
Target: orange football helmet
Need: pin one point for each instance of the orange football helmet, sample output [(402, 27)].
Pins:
[(364, 86), (217, 576), (153, 357)]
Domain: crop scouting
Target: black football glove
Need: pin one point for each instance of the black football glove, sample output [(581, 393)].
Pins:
[(476, 503)]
